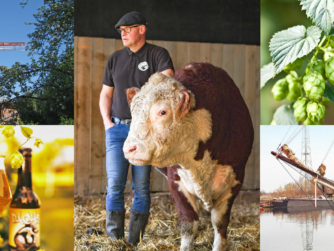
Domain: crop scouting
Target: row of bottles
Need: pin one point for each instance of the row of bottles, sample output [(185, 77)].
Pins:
[(24, 210)]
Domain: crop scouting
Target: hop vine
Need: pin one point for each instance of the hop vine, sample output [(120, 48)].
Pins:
[(8, 132)]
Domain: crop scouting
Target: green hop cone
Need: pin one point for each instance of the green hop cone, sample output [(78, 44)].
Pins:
[(328, 53), (280, 89), (314, 85), (16, 160), (294, 65), (329, 68), (310, 122), (315, 111), (300, 109), (318, 65), (8, 131), (295, 89)]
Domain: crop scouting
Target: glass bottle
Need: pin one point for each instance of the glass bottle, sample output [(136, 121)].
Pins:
[(24, 211)]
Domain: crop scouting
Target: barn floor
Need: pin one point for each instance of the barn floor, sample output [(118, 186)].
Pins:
[(162, 232)]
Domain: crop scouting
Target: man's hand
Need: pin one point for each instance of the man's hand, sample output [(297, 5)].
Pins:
[(108, 125), (105, 103), (168, 72)]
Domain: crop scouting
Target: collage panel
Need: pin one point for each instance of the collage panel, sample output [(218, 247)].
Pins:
[(37, 187), (297, 67), (297, 62), (297, 187), (36, 125), (174, 220)]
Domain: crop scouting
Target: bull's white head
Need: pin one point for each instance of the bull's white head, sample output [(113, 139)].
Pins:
[(164, 127)]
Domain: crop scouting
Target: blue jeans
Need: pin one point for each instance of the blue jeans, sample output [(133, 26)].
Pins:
[(117, 170)]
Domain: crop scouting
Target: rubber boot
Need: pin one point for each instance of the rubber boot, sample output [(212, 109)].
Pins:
[(115, 224), (137, 226)]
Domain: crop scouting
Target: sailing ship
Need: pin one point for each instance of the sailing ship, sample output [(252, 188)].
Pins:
[(286, 156)]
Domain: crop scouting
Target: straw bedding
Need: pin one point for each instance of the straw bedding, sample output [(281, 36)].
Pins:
[(162, 231)]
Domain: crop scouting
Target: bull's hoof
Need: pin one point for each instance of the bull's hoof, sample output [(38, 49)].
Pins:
[(187, 248)]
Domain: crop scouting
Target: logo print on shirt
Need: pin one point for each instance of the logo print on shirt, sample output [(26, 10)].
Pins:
[(143, 66)]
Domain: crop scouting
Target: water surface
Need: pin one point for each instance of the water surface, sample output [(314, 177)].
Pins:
[(297, 229)]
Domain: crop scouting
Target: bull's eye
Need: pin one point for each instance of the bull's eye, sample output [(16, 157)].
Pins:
[(163, 112)]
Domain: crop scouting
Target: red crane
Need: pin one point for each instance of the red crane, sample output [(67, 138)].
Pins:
[(12, 46)]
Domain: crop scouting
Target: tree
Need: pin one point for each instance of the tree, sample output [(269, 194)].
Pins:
[(42, 91)]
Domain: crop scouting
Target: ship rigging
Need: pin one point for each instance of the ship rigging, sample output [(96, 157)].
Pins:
[(287, 157)]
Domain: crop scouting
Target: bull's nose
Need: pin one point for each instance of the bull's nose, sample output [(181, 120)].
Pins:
[(130, 148)]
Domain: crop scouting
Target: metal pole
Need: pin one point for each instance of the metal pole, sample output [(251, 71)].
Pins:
[(315, 189)]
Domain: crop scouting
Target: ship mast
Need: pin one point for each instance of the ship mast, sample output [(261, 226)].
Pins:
[(306, 155)]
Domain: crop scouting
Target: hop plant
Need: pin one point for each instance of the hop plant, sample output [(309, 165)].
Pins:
[(331, 41), (329, 68), (8, 131), (16, 160), (294, 86), (328, 54), (314, 85), (294, 65), (280, 89), (308, 121), (318, 65), (315, 111), (300, 109)]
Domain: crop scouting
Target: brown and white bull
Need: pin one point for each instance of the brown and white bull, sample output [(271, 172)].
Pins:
[(200, 135)]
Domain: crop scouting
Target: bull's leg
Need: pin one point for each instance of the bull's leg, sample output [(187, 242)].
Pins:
[(220, 218), (186, 208)]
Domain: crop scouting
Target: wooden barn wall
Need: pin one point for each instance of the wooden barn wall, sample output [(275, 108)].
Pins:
[(91, 54)]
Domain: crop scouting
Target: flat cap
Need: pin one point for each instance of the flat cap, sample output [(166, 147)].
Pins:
[(131, 18)]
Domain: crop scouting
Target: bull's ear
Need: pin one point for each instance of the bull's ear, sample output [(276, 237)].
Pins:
[(130, 93), (184, 104)]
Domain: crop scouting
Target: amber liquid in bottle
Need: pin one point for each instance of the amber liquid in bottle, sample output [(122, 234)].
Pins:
[(5, 192), (24, 212)]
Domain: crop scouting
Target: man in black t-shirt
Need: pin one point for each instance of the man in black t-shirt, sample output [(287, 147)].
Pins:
[(126, 68)]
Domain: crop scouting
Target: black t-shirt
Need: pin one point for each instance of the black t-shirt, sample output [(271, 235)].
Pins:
[(126, 69)]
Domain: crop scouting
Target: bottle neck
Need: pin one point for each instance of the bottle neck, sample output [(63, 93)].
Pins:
[(24, 174)]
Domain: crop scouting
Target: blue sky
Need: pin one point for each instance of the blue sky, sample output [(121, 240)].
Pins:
[(273, 174), (14, 29)]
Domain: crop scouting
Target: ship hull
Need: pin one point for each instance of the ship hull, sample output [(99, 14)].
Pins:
[(295, 203)]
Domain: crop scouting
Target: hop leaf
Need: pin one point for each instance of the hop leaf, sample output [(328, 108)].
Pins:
[(8, 131), (288, 45), (329, 68), (314, 85), (284, 116), (267, 72), (280, 89), (315, 111), (321, 12), (38, 142), (295, 89), (16, 160), (26, 131), (300, 109), (318, 65)]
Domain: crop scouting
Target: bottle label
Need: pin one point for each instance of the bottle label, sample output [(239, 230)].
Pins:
[(24, 229)]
